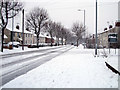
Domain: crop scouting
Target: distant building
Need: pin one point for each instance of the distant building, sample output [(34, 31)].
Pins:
[(90, 42)]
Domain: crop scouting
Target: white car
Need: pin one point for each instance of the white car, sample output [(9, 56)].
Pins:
[(15, 44)]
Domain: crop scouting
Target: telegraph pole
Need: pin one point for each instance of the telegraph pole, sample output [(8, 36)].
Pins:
[(96, 32), (23, 29), (12, 27), (84, 25), (84, 28)]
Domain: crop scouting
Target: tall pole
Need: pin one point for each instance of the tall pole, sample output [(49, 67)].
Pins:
[(12, 27), (2, 36), (23, 29), (96, 32), (84, 28), (84, 25), (2, 39)]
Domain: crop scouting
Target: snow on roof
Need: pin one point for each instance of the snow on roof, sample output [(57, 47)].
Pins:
[(41, 34), (19, 30), (5, 36), (54, 38)]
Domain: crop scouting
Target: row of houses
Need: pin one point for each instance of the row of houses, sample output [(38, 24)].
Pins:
[(29, 37), (103, 38)]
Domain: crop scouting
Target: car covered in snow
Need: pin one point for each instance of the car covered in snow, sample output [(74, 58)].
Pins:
[(15, 44)]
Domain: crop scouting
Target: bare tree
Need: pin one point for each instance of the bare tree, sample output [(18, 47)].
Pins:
[(67, 35), (78, 29), (7, 7), (36, 20), (51, 27), (63, 33), (58, 31)]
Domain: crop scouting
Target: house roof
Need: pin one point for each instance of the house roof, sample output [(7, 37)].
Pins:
[(42, 34), (107, 30), (20, 30), (5, 36)]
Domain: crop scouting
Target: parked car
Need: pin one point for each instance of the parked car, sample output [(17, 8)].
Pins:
[(76, 44), (5, 45), (15, 44)]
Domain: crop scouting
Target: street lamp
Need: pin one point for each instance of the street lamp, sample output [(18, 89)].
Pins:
[(96, 32), (23, 29), (12, 26), (84, 24)]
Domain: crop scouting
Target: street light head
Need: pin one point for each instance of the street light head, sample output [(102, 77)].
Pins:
[(79, 10)]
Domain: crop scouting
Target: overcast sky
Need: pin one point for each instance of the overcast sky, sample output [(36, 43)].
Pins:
[(66, 12)]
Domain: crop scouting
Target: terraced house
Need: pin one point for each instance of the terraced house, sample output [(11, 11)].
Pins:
[(103, 37), (29, 37), (17, 34)]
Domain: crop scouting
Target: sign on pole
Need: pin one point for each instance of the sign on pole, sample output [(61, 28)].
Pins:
[(112, 38)]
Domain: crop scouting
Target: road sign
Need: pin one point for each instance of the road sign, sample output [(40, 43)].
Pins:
[(112, 38)]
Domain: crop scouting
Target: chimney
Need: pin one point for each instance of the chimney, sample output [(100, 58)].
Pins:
[(117, 24), (17, 27), (110, 26), (105, 29)]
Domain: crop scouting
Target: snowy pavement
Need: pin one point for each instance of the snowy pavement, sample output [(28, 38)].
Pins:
[(77, 68)]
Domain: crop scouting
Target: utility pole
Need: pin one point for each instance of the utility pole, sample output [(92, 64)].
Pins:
[(23, 29), (96, 32), (1, 36), (84, 25), (12, 27), (84, 28)]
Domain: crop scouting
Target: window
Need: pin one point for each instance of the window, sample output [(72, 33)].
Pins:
[(17, 34), (26, 41), (13, 34), (21, 34)]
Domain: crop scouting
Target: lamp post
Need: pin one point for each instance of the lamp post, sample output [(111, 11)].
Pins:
[(84, 24), (96, 32), (23, 29), (12, 28)]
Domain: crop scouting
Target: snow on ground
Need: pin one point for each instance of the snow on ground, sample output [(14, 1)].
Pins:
[(77, 68), (15, 50), (112, 57)]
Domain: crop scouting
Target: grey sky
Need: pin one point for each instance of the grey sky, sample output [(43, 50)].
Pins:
[(66, 12)]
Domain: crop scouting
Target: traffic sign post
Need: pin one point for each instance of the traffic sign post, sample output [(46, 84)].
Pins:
[(112, 39)]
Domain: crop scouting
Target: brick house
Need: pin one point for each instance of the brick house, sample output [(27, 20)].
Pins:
[(17, 36), (103, 37)]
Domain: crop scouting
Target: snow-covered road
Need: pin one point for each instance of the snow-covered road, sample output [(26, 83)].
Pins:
[(77, 68), (20, 64)]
